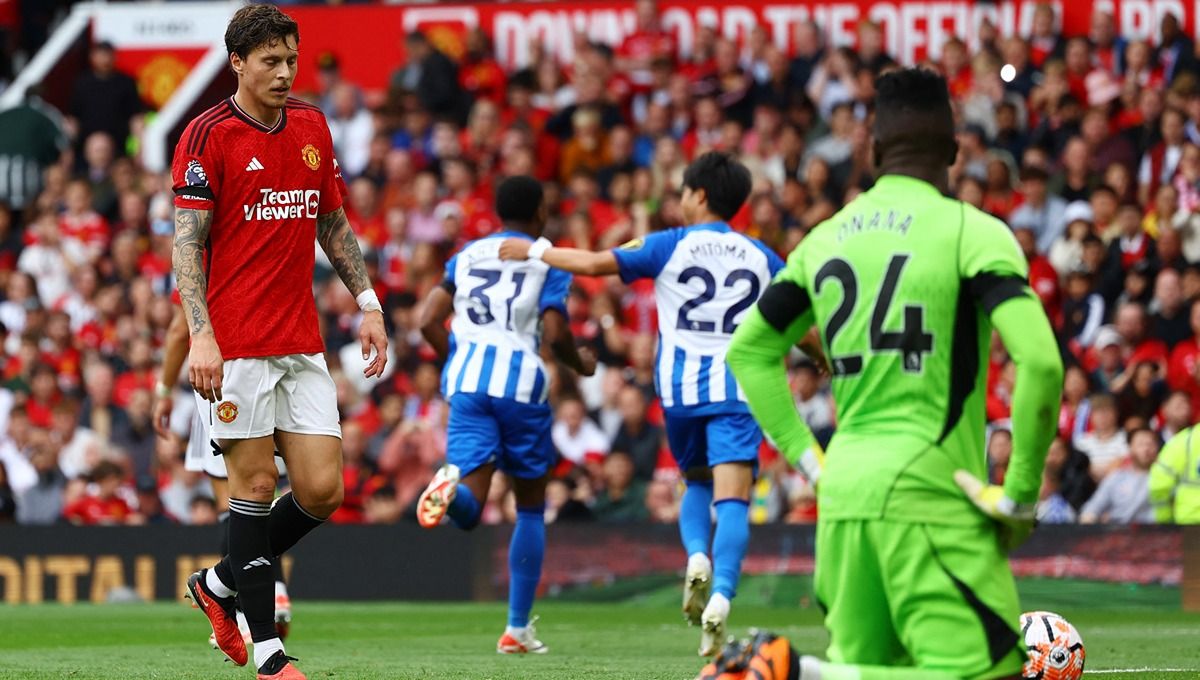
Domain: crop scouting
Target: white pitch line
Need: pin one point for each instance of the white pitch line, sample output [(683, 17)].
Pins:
[(1140, 670)]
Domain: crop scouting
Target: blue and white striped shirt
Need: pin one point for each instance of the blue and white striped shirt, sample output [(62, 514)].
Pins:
[(706, 277), (496, 331)]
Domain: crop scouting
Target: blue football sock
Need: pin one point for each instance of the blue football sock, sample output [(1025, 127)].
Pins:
[(729, 544), (464, 510), (695, 517), (525, 552)]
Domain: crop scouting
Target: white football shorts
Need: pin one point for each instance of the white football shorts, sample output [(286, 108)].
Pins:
[(201, 456), (292, 393)]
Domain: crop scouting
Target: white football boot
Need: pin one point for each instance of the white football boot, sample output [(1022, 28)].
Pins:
[(697, 582), (712, 625), (435, 500), (521, 641)]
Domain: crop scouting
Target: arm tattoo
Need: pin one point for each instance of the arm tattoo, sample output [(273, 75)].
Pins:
[(338, 241), (191, 235)]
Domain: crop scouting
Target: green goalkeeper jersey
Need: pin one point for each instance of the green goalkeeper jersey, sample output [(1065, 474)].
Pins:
[(902, 284)]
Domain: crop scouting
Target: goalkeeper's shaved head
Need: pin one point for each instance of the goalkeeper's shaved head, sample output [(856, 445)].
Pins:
[(914, 123)]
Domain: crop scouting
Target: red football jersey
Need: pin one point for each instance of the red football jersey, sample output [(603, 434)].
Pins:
[(266, 187)]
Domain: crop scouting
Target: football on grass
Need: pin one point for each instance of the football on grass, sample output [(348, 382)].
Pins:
[(1054, 646)]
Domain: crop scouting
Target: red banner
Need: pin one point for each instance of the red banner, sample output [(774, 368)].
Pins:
[(367, 40)]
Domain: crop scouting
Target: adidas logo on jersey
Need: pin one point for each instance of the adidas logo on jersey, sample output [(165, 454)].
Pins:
[(254, 164), (257, 562)]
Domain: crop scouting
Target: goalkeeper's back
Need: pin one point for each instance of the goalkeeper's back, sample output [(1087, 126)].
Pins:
[(901, 281), (904, 285)]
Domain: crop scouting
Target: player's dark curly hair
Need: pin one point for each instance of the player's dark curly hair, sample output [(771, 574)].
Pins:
[(518, 199), (913, 114), (256, 25), (726, 182)]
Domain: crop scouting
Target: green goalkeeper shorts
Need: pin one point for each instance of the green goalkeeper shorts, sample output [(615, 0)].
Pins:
[(930, 596)]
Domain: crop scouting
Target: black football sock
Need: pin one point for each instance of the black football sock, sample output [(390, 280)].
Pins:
[(250, 557), (288, 524), (223, 571)]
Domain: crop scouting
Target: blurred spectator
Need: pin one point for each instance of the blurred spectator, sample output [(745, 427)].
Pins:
[(433, 77), (1052, 506), (1170, 320), (1104, 443), (179, 487), (1141, 394), (812, 401), (1042, 213), (662, 503), (1042, 277), (1137, 342), (104, 99), (576, 438), (102, 504), (1160, 161), (137, 439), (1183, 369), (352, 127), (648, 42), (1066, 253), (1176, 52), (98, 413), (358, 475), (636, 438), (809, 44), (202, 511), (1176, 415), (50, 260), (623, 498), (149, 505), (1072, 416), (1123, 496), (42, 503), (565, 499), (381, 507), (1108, 359)]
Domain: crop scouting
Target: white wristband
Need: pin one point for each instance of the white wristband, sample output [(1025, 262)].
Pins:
[(161, 391), (539, 248), (368, 301)]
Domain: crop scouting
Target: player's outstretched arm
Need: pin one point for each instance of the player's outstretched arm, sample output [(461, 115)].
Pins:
[(175, 350), (341, 246), (206, 369), (573, 260), (556, 333), (439, 303), (756, 357)]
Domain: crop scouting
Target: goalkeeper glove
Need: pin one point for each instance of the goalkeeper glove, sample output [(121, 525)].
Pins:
[(1016, 520)]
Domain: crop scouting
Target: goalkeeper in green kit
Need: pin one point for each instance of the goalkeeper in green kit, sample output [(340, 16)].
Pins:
[(905, 287)]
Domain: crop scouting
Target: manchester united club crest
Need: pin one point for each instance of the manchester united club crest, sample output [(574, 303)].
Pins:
[(227, 412), (312, 157)]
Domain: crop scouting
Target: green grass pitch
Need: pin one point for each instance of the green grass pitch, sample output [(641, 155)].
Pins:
[(640, 640)]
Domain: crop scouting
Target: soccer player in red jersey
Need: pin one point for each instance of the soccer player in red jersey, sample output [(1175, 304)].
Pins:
[(255, 183), (202, 456)]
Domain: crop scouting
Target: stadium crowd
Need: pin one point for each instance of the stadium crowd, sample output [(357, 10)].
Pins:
[(1089, 148)]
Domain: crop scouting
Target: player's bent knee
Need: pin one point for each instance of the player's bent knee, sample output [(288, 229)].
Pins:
[(320, 502)]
